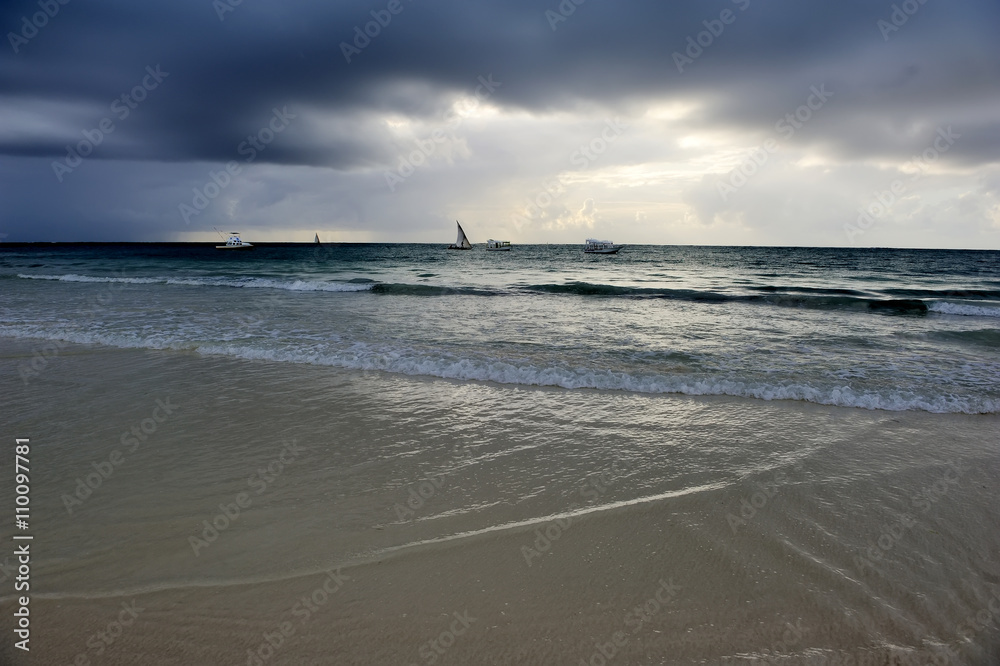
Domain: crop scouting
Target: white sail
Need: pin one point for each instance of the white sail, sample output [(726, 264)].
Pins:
[(317, 239), (462, 241)]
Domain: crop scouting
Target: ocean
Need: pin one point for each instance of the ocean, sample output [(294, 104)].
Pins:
[(877, 329), (393, 453)]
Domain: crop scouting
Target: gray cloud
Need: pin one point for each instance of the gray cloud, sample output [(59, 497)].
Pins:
[(225, 78)]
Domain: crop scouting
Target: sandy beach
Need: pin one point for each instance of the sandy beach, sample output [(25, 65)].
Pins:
[(726, 531)]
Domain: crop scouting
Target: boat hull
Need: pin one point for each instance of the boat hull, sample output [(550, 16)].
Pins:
[(245, 246), (607, 251)]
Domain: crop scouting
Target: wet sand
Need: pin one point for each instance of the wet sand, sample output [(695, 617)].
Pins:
[(579, 526)]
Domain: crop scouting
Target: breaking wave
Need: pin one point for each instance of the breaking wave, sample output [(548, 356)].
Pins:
[(964, 309), (440, 364), (785, 296)]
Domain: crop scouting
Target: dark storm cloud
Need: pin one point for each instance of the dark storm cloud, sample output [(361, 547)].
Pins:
[(564, 68), (225, 76)]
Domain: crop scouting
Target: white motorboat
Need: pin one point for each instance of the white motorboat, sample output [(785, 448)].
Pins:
[(594, 246), (498, 246), (234, 242), (462, 243)]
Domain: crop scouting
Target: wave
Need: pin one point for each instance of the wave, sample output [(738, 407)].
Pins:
[(429, 364), (904, 306), (789, 296), (357, 284), (812, 298), (811, 290), (964, 309), (404, 289)]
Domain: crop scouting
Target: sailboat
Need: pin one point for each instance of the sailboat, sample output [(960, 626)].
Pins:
[(317, 239), (462, 243)]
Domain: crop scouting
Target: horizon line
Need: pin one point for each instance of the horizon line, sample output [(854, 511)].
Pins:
[(444, 244)]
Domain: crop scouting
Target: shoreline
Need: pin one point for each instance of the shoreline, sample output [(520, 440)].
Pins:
[(738, 524), (87, 347)]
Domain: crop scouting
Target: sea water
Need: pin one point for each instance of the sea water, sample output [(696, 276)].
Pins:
[(870, 328), (794, 437)]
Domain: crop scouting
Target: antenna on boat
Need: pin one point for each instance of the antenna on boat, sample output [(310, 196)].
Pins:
[(220, 233)]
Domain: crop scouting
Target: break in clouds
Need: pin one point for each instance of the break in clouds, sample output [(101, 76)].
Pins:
[(859, 123)]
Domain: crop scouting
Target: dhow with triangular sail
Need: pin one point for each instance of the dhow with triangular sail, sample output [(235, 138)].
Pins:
[(462, 243)]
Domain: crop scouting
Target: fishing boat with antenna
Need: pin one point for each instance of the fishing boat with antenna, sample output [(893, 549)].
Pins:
[(462, 243), (234, 242)]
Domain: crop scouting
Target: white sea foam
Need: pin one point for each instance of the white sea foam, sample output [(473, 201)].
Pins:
[(409, 362), (246, 283), (964, 309)]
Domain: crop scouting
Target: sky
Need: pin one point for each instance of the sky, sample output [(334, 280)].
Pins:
[(727, 122)]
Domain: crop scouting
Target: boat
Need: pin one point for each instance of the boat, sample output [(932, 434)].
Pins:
[(594, 246), (234, 242), (462, 243), (498, 246), (317, 239)]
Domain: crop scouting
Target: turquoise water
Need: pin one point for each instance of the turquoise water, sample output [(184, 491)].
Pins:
[(877, 329)]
